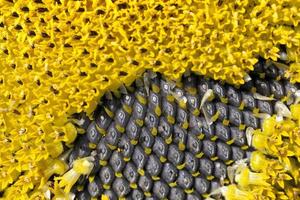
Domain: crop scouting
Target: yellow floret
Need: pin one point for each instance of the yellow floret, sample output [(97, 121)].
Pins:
[(276, 161), (82, 166), (58, 58), (295, 110), (245, 178)]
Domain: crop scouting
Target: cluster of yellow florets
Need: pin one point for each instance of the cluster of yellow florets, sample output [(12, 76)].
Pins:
[(58, 57), (274, 167)]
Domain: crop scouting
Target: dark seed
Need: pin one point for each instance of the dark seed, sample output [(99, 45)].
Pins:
[(208, 130), (84, 195), (137, 194), (194, 196), (92, 134), (185, 179), (117, 161), (223, 132), (160, 189), (80, 184), (154, 100), (182, 116), (209, 148), (206, 166), (263, 87), (107, 175), (277, 89), (195, 126), (194, 145), (235, 116), (202, 185), (237, 153), (139, 157), (151, 120), (190, 82), (223, 111), (103, 151), (203, 86), (219, 90), (145, 183), (139, 110), (165, 88), (113, 135), (209, 108), (193, 102), (121, 187), (151, 146), (265, 107), (126, 147), (191, 162), (214, 185), (175, 156), (247, 86), (165, 129), (180, 135), (177, 193), (258, 67), (238, 136), (130, 173), (128, 99), (133, 130), (153, 166), (73, 156), (250, 120), (83, 147), (160, 148), (112, 105), (169, 173), (122, 118), (103, 120), (95, 189), (249, 101), (234, 97), (151, 198), (271, 71), (220, 170), (146, 139), (223, 151)]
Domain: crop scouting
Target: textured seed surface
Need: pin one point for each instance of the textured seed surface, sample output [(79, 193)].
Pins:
[(95, 188), (169, 173), (121, 187), (107, 175), (185, 179), (176, 193), (145, 183), (155, 141), (130, 173), (137, 194), (160, 189)]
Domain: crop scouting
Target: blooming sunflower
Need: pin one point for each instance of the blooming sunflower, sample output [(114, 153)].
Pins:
[(149, 99)]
